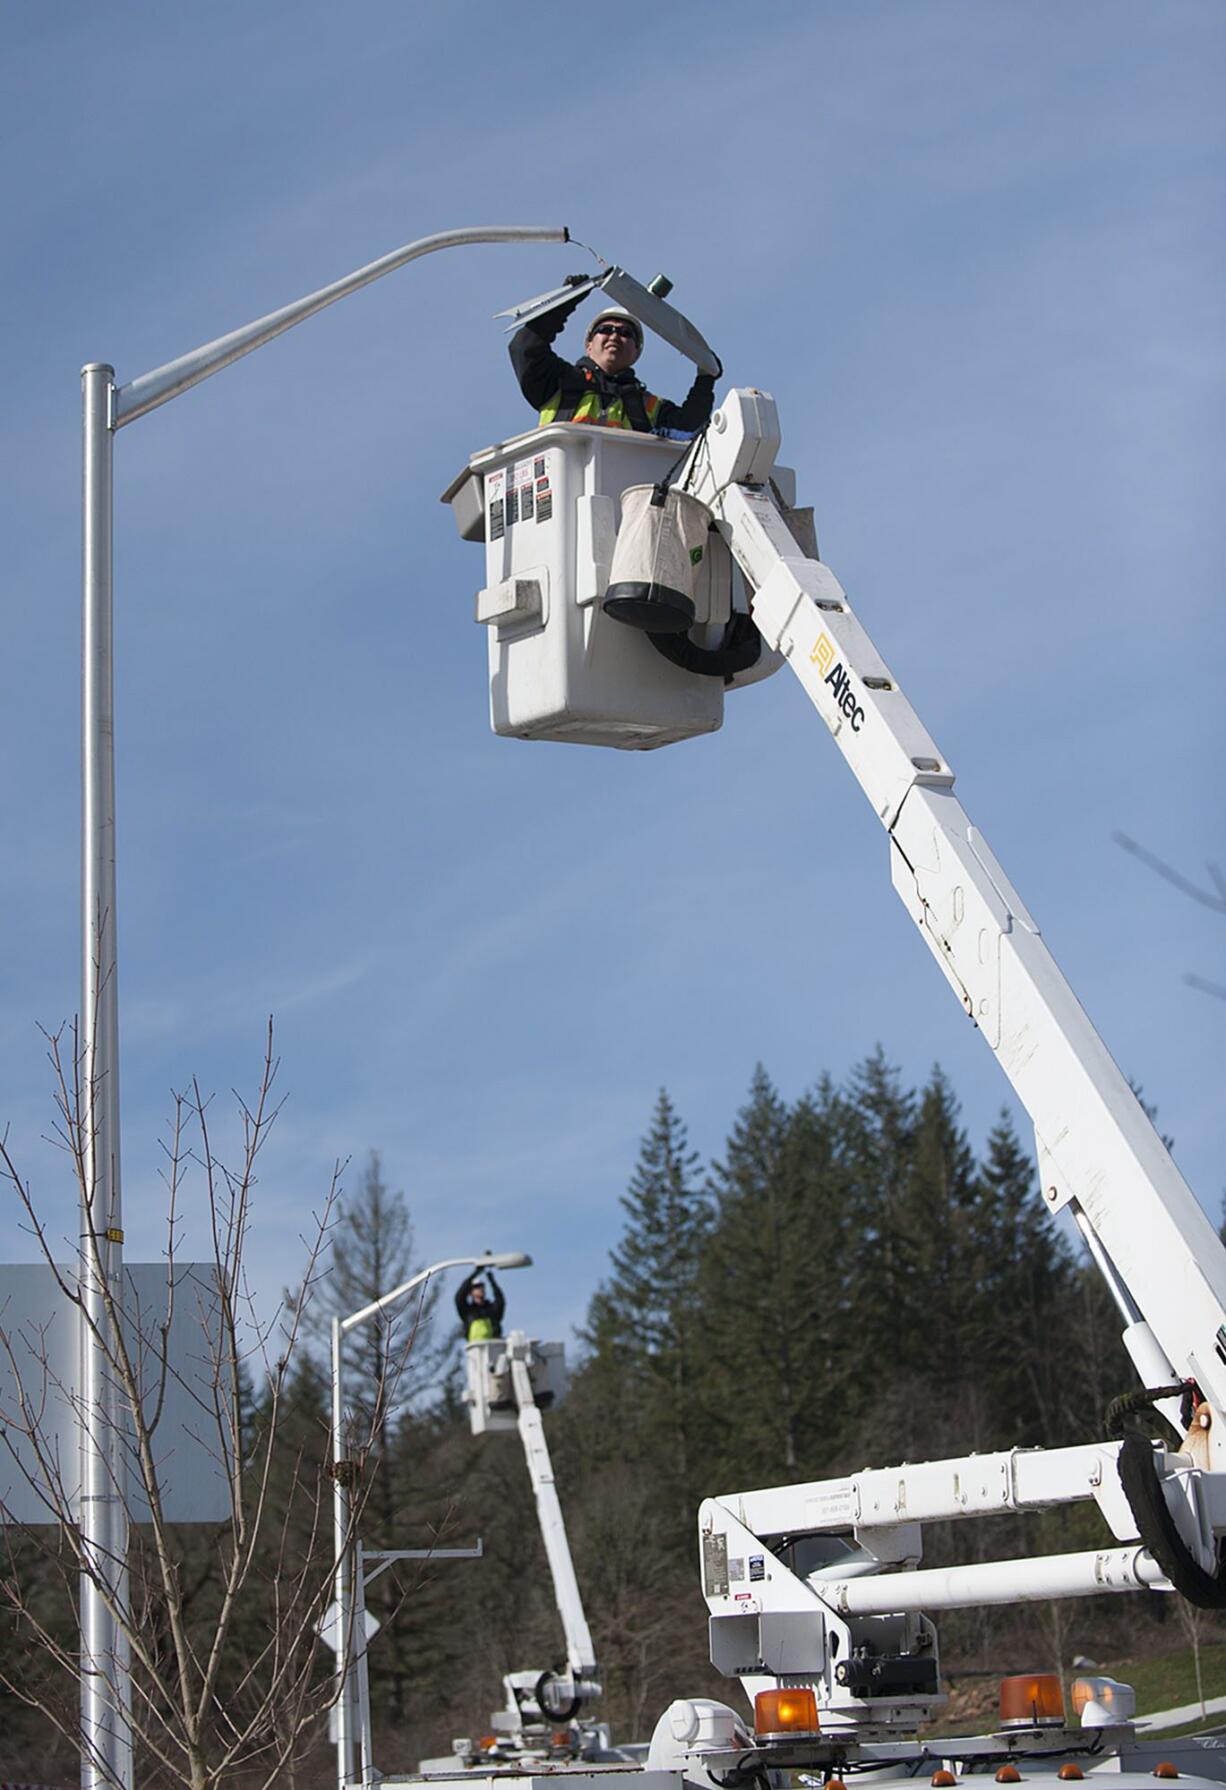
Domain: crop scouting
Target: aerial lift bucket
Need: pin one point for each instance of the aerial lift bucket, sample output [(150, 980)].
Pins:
[(550, 506), (489, 1394)]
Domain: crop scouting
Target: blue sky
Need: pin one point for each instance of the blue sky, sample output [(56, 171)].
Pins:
[(976, 252)]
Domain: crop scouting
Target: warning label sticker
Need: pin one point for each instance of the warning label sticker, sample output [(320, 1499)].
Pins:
[(495, 503), (715, 1565), (521, 492), (533, 480)]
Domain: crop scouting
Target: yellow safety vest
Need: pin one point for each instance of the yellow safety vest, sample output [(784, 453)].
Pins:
[(589, 409), (480, 1329)]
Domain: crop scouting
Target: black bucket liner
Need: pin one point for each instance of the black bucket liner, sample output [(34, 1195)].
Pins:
[(655, 608)]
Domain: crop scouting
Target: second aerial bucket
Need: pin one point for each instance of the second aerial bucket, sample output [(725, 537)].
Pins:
[(659, 547)]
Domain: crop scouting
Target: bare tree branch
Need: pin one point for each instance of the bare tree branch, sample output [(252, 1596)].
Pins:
[(223, 1626), (1214, 898)]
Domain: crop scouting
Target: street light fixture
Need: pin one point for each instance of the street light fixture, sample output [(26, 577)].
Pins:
[(106, 1724), (343, 1475)]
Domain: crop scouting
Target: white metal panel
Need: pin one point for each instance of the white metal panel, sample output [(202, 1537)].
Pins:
[(185, 1381)]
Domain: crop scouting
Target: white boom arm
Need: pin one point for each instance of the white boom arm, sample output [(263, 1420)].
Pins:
[(579, 1653), (1098, 1152), (797, 1578)]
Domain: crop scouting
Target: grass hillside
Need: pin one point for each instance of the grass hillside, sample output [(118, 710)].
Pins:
[(1170, 1678)]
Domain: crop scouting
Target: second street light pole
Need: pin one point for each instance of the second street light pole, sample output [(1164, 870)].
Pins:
[(106, 1725)]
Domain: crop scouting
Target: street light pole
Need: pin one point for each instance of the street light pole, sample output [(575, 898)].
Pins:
[(106, 1737), (344, 1475), (342, 1555), (106, 1729)]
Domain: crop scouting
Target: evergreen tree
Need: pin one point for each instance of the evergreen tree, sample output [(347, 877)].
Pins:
[(748, 1317), (1030, 1284), (945, 1255), (774, 1284), (879, 1141), (643, 1322), (830, 1367), (1097, 1366)]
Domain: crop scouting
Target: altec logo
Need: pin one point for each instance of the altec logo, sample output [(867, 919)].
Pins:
[(823, 653), (839, 680)]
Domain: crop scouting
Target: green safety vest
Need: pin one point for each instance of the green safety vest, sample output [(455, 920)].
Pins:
[(589, 409), (480, 1329)]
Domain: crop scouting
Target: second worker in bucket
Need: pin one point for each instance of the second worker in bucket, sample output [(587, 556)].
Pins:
[(601, 386)]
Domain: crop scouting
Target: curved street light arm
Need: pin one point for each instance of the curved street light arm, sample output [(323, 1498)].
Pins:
[(151, 389), (515, 1260)]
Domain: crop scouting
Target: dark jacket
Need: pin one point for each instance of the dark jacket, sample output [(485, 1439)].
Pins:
[(491, 1308), (544, 375)]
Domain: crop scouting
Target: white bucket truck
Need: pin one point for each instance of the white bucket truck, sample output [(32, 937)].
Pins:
[(816, 1594), (544, 1722)]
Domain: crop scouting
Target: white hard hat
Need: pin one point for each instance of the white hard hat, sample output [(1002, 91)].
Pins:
[(616, 314)]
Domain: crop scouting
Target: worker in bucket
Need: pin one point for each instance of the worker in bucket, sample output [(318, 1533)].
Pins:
[(601, 386), (480, 1313)]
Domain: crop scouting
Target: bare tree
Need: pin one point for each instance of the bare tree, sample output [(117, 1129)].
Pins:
[(228, 1675), (373, 1249)]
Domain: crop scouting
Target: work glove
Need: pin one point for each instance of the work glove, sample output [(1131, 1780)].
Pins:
[(552, 323)]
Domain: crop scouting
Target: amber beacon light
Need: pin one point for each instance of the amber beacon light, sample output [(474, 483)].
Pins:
[(785, 1714), (1031, 1700)]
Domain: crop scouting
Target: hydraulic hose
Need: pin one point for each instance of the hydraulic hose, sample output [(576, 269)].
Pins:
[(1157, 1527), (565, 1713), (740, 648)]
